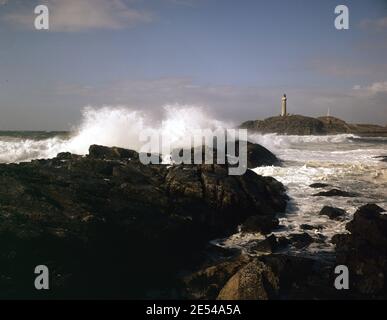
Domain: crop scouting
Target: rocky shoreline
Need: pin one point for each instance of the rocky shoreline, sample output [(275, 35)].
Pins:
[(108, 226)]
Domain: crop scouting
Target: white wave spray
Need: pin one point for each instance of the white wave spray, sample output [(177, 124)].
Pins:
[(112, 126)]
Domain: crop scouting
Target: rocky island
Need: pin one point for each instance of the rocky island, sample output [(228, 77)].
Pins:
[(302, 125)]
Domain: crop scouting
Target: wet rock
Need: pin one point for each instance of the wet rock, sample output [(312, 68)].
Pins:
[(311, 227), (364, 251), (319, 185), (257, 155), (300, 240), (335, 193), (102, 152), (332, 213), (262, 224), (269, 245)]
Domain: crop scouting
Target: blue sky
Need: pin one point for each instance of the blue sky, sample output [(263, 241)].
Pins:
[(234, 57)]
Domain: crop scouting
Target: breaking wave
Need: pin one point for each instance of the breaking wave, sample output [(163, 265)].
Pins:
[(111, 126)]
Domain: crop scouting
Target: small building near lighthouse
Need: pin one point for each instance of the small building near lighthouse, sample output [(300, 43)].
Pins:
[(283, 110)]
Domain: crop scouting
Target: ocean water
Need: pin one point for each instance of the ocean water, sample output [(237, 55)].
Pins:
[(346, 162)]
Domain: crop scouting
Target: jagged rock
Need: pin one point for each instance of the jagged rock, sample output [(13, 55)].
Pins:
[(332, 213), (319, 185), (364, 251), (335, 193), (109, 214)]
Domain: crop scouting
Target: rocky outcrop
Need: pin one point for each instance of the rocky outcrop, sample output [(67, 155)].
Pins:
[(335, 193), (108, 214), (332, 213), (278, 276), (257, 155), (301, 125), (364, 252)]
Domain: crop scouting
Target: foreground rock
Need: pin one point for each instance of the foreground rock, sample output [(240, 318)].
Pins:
[(332, 213), (364, 252), (108, 226), (274, 276)]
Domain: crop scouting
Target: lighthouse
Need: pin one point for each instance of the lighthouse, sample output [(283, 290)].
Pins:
[(283, 111)]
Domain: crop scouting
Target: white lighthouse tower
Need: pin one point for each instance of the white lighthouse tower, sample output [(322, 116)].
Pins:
[(283, 110)]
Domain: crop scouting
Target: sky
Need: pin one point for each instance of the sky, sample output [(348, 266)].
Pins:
[(235, 58)]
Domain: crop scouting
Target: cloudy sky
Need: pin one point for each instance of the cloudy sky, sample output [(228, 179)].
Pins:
[(233, 57)]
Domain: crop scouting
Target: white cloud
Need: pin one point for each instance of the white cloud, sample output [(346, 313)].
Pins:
[(83, 15), (374, 88)]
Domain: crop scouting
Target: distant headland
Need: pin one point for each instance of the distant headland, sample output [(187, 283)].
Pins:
[(301, 125)]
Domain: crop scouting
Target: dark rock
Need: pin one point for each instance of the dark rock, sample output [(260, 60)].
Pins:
[(310, 227), (109, 214), (263, 224), (280, 276), (332, 213), (335, 193), (269, 245), (300, 240), (319, 185), (67, 156), (257, 155), (364, 251), (114, 153), (255, 281), (207, 282)]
